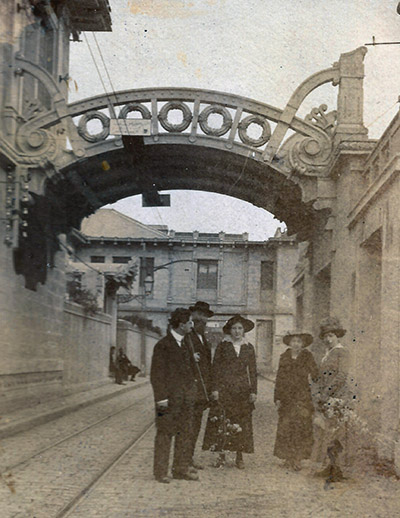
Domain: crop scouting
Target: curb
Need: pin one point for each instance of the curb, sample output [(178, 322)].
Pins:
[(10, 429)]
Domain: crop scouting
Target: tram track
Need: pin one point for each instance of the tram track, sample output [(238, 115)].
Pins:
[(19, 464), (69, 508)]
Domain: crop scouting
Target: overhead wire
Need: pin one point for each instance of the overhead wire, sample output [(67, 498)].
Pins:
[(112, 88)]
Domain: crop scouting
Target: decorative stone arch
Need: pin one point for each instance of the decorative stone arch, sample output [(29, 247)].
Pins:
[(71, 171)]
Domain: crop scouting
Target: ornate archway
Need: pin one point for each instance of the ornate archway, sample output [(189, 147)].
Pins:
[(61, 170)]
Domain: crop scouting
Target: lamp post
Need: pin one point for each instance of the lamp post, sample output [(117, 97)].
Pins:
[(148, 285)]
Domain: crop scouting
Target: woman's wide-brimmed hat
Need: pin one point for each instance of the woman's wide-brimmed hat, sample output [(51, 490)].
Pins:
[(246, 323), (331, 325), (203, 307), (306, 337)]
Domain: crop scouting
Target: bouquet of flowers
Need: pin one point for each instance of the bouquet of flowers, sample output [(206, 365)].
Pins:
[(225, 430), (337, 408)]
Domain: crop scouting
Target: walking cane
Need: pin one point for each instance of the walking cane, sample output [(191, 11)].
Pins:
[(198, 368)]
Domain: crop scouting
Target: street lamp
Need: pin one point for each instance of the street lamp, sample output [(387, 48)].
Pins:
[(148, 284)]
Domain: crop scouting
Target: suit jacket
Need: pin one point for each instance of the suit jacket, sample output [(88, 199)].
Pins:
[(204, 364), (172, 377)]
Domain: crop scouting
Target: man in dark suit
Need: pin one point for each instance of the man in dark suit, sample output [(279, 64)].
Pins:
[(198, 345), (173, 379)]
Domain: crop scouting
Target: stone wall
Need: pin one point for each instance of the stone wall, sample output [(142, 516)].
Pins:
[(32, 329), (130, 337), (86, 348)]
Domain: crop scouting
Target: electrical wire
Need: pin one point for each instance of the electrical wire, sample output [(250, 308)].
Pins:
[(113, 90), (71, 252)]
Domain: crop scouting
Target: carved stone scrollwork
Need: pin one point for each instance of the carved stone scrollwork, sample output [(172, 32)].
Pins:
[(325, 121), (169, 126), (134, 107), (309, 155), (254, 119), (39, 145), (96, 137), (32, 108), (226, 122)]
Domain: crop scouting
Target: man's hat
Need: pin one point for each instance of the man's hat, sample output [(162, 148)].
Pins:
[(203, 307), (246, 323), (331, 325), (306, 337)]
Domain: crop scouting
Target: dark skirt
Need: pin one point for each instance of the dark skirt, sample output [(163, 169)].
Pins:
[(238, 412), (294, 436)]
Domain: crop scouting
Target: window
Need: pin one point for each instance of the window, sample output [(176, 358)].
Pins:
[(207, 275), (146, 268), (121, 259), (267, 275), (97, 259), (40, 47)]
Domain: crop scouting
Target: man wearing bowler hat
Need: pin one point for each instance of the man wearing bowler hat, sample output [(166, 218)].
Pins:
[(200, 349)]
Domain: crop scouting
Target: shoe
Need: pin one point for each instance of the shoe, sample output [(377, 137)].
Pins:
[(197, 465), (163, 480), (186, 476), (336, 475), (239, 461), (240, 464), (292, 465), (325, 473)]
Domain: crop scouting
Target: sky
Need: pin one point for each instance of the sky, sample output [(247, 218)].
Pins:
[(261, 49)]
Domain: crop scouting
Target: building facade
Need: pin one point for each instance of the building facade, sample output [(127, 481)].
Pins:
[(231, 273), (322, 175), (351, 270)]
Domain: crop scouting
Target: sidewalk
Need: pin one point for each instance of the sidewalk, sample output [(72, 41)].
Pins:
[(21, 420)]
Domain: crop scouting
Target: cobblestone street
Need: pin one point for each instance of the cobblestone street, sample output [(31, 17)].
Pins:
[(263, 489), (43, 486)]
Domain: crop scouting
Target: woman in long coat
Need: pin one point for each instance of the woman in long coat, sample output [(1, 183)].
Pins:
[(234, 388), (335, 396), (294, 437)]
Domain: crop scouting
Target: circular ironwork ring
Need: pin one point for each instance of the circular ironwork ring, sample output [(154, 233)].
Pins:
[(175, 105), (254, 119), (82, 126), (134, 107), (226, 123)]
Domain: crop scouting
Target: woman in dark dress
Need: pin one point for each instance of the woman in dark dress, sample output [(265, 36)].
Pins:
[(234, 389), (294, 436)]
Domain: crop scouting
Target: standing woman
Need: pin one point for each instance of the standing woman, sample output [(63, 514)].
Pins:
[(234, 386), (334, 397), (294, 436)]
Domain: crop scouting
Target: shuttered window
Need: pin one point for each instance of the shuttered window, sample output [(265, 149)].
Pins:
[(207, 275)]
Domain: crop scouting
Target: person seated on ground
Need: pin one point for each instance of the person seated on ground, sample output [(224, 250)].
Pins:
[(126, 366), (112, 361), (118, 368)]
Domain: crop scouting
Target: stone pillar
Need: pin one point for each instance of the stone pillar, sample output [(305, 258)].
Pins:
[(390, 337), (351, 96)]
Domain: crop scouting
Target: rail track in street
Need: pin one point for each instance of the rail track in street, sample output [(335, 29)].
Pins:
[(20, 463), (107, 468)]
